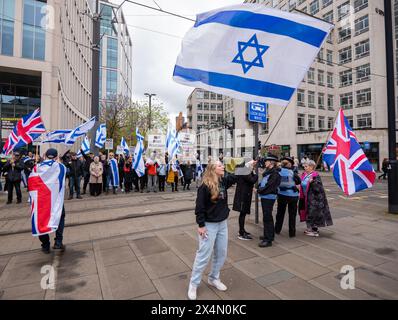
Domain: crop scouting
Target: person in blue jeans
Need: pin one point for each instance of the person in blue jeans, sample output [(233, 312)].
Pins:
[(268, 191), (211, 216)]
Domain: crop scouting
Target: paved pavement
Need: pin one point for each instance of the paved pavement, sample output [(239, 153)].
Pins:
[(142, 246)]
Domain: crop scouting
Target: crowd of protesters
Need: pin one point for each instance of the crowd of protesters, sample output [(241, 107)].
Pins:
[(94, 175)]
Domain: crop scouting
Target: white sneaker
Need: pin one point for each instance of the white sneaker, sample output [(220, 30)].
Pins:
[(218, 284), (192, 292)]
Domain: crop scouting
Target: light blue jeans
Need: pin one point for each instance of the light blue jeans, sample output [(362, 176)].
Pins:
[(216, 244)]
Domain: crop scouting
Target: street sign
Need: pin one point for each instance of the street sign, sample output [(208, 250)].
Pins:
[(258, 112), (109, 144)]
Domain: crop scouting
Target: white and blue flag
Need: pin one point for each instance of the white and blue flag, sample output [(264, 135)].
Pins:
[(100, 136), (80, 131), (138, 161), (125, 146), (250, 52), (114, 178), (85, 147), (172, 142), (68, 136)]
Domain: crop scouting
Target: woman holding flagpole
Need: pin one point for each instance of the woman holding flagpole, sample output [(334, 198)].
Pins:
[(211, 216), (313, 204)]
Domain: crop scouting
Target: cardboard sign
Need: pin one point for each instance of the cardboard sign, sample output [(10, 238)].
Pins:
[(119, 150), (156, 141), (109, 144)]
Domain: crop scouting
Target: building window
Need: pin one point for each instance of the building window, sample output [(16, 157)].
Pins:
[(111, 53), (364, 120), (329, 16), (320, 56), (213, 96), (362, 49), (200, 107), (321, 100), (213, 117), (107, 25), (301, 122), (321, 77), (330, 123), (360, 4), (213, 107), (219, 117), (361, 25), (321, 122), (111, 84), (205, 106), (343, 10), (329, 39), (345, 32), (329, 57), (330, 102), (34, 36), (311, 122), (206, 117), (364, 97), (311, 76), (311, 99), (300, 98), (200, 117), (345, 55), (199, 94), (206, 95), (346, 100), (219, 96), (314, 7), (326, 3), (345, 78), (219, 106), (330, 80), (7, 27), (363, 73)]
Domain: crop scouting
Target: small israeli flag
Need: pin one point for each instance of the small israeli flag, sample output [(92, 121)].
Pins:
[(125, 146), (250, 52), (85, 147), (80, 131), (56, 136), (138, 162), (172, 142), (100, 136)]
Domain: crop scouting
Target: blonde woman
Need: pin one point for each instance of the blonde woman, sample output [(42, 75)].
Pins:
[(211, 216)]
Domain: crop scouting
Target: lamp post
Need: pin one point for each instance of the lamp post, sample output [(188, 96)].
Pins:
[(150, 95)]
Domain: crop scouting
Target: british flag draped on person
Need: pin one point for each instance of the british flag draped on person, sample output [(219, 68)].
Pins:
[(351, 168), (46, 185)]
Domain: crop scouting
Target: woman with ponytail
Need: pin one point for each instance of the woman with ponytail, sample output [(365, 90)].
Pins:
[(211, 216)]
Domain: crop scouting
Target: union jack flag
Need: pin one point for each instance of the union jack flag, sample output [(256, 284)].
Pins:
[(351, 168), (27, 129)]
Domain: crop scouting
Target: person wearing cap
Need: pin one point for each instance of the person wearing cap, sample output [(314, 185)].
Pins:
[(268, 191), (52, 154), (13, 170), (288, 194)]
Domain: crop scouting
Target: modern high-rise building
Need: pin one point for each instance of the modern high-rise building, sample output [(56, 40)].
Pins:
[(116, 54), (349, 72), (46, 61)]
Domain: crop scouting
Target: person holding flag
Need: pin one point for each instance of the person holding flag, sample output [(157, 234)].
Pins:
[(76, 172), (138, 160), (113, 172), (46, 185), (100, 136)]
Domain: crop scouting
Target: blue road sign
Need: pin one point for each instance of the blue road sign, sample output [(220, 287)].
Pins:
[(258, 112), (366, 145)]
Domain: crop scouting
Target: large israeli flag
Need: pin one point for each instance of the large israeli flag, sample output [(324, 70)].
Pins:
[(80, 131), (250, 52), (138, 161), (125, 146), (172, 142), (100, 136), (56, 136)]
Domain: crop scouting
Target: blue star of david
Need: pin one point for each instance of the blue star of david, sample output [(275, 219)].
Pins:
[(257, 61)]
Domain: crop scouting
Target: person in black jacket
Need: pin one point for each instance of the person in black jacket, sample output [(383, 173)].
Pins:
[(86, 168), (120, 162), (268, 191), (188, 175), (13, 169), (243, 196), (76, 173), (211, 216)]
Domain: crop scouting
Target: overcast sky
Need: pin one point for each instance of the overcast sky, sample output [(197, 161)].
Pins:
[(155, 53)]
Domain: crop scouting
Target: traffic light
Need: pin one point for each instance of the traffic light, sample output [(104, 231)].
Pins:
[(259, 145)]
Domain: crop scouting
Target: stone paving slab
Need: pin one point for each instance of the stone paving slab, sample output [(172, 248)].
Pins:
[(256, 267), (274, 278), (83, 288)]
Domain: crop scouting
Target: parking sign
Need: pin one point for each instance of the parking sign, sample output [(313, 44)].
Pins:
[(258, 112)]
